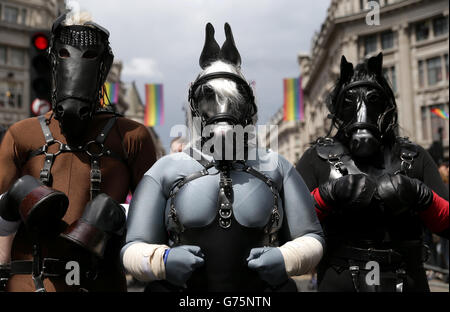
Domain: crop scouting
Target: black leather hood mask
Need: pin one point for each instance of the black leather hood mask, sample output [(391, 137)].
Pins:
[(81, 59), (363, 106)]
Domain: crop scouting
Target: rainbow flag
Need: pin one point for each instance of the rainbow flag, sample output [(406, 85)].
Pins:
[(293, 99), (154, 105), (110, 94), (440, 112)]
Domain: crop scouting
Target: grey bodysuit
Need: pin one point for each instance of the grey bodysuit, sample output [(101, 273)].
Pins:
[(196, 204)]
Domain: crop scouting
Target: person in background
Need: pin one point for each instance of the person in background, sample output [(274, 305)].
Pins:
[(178, 144)]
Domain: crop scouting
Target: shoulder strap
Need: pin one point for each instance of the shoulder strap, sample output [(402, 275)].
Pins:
[(45, 175), (173, 221), (274, 224), (327, 148), (96, 174)]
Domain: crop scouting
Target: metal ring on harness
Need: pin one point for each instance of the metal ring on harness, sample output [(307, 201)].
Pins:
[(47, 145), (93, 154), (407, 159)]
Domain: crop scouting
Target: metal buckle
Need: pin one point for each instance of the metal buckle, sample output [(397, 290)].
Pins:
[(44, 176), (46, 262), (96, 175)]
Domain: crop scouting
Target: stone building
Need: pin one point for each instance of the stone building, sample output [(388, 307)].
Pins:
[(19, 19), (413, 36)]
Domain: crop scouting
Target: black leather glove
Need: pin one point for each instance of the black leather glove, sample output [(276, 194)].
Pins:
[(400, 193), (352, 191)]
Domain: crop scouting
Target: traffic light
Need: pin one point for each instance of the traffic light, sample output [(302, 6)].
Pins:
[(40, 74)]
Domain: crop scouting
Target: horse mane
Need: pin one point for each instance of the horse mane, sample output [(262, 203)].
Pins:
[(77, 18), (224, 87)]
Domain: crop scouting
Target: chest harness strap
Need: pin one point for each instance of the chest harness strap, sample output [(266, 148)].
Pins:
[(95, 149), (225, 198)]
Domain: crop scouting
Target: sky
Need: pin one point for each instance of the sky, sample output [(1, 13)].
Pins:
[(160, 41)]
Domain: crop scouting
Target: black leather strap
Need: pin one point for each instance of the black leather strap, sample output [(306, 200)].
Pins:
[(273, 226), (96, 174), (45, 175), (46, 130), (50, 267)]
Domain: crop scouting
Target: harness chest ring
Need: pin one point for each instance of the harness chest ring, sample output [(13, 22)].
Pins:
[(100, 146), (47, 145)]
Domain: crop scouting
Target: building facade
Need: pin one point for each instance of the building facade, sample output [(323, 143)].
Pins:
[(413, 36), (19, 19)]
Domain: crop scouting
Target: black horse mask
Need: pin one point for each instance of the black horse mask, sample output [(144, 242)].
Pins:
[(363, 105), (81, 58)]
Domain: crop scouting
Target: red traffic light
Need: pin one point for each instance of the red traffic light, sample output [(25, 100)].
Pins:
[(40, 42)]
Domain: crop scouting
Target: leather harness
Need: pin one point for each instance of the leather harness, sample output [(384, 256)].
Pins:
[(41, 268), (95, 149), (225, 200)]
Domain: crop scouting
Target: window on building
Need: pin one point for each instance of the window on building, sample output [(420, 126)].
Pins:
[(23, 16), (421, 74), (11, 99), (422, 31), (11, 14), (440, 25), (446, 65), (438, 124), (387, 40), (2, 55), (391, 76), (11, 95), (370, 44), (19, 100), (424, 116), (434, 70), (17, 57), (3, 89), (362, 5)]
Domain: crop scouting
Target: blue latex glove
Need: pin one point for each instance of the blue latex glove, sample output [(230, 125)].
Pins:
[(269, 263), (180, 262)]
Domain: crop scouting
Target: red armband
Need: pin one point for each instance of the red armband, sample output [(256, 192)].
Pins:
[(436, 216), (322, 209)]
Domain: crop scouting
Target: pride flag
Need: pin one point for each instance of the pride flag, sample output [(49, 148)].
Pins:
[(111, 93), (440, 112), (154, 105), (293, 99)]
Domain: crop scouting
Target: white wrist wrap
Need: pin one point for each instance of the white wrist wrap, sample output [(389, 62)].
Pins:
[(145, 261), (301, 255)]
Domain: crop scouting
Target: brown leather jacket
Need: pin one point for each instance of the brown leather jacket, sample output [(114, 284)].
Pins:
[(71, 175)]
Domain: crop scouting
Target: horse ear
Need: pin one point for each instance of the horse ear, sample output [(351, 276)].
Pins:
[(346, 69), (229, 52), (211, 48), (375, 64)]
